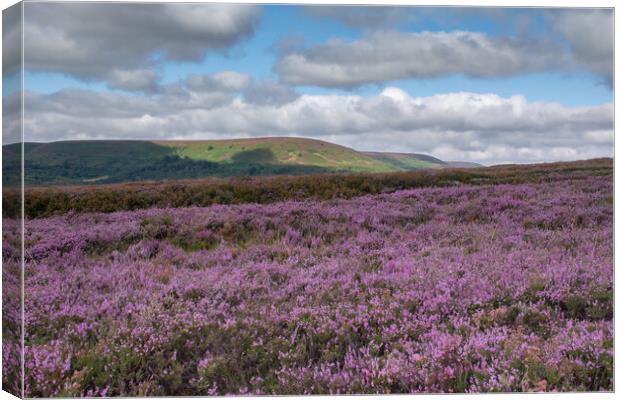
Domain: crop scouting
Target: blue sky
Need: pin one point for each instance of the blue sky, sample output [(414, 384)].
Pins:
[(373, 78)]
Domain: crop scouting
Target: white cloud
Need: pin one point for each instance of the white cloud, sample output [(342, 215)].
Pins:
[(590, 36), (226, 81), (384, 56), (11, 118), (467, 126), (143, 80), (124, 43), (583, 41), (366, 17), (601, 136), (11, 40), (270, 93), (395, 94), (108, 41)]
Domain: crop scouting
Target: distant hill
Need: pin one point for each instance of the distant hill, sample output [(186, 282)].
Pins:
[(407, 161), (463, 164), (111, 161)]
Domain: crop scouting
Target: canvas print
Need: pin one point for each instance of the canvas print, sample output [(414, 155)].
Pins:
[(208, 199)]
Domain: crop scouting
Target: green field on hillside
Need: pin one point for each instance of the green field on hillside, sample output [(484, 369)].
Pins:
[(284, 151), (114, 161)]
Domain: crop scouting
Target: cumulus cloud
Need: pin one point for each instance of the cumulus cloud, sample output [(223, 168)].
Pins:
[(600, 136), (227, 81), (11, 118), (270, 93), (117, 41), (366, 17), (142, 80), (583, 41), (11, 39), (590, 36), (387, 55), (475, 127), (11, 65)]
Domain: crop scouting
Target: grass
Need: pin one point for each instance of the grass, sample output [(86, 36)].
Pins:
[(294, 151)]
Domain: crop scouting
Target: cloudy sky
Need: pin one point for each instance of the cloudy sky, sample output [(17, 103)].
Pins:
[(490, 85)]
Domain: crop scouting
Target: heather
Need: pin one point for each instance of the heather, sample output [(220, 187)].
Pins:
[(11, 307), (56, 200), (464, 288)]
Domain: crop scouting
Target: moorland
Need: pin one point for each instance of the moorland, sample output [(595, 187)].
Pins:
[(438, 280)]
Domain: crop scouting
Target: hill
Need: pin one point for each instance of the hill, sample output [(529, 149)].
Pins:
[(280, 151), (463, 164), (114, 161), (407, 161)]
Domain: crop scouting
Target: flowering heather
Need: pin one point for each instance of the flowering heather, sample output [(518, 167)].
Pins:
[(456, 289)]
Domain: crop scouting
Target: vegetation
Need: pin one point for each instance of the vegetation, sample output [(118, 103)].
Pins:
[(467, 288), (407, 161), (99, 162), (46, 201)]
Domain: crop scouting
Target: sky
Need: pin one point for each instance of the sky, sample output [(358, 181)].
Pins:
[(489, 85)]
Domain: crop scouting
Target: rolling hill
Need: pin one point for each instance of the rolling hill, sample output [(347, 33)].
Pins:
[(407, 161), (111, 161)]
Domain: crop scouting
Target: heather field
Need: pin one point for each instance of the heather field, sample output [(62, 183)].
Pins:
[(463, 288)]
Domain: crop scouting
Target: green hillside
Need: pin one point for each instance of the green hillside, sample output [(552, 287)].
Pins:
[(407, 161), (111, 161), (281, 151)]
